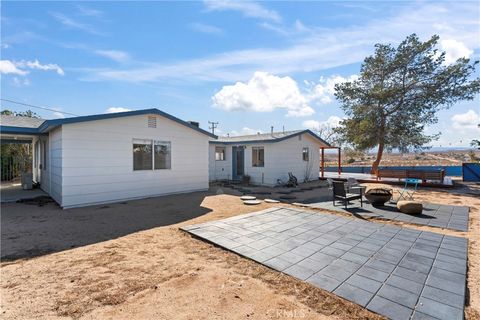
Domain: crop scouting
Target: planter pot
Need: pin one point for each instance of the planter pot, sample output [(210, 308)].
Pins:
[(378, 196)]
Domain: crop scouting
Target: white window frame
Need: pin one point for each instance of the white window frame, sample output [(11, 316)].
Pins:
[(152, 143), (224, 153)]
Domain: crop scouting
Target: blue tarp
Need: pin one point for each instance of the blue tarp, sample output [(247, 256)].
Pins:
[(471, 172)]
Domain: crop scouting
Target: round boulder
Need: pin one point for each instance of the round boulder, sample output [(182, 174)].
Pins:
[(252, 202), (410, 207), (247, 198), (271, 201)]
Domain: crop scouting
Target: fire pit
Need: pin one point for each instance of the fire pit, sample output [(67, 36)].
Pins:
[(378, 196)]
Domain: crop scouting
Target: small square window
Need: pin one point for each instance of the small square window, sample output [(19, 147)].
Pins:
[(305, 154), (219, 153)]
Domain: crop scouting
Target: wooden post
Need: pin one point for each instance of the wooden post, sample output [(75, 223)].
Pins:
[(339, 161), (323, 161)]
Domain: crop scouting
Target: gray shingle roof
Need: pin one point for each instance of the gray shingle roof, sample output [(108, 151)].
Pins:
[(266, 137), (259, 137), (24, 122)]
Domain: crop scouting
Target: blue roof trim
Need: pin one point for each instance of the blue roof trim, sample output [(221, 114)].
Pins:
[(273, 140), (20, 130), (17, 141), (50, 124)]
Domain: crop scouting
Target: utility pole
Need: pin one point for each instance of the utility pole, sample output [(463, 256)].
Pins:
[(213, 126)]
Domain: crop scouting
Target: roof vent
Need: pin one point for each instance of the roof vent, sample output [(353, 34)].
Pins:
[(194, 123), (152, 121)]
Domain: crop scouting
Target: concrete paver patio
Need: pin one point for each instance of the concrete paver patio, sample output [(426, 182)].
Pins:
[(434, 215), (397, 272)]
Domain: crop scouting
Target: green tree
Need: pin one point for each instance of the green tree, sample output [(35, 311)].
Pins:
[(15, 157), (28, 113), (399, 92), (475, 143)]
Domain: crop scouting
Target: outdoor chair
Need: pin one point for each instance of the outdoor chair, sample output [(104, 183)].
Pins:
[(409, 189), (292, 180), (353, 186), (339, 193), (330, 183)]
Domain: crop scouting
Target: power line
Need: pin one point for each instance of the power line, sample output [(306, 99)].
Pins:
[(213, 127), (33, 106)]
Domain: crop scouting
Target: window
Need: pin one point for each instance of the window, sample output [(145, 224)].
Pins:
[(162, 155), (142, 154), (305, 154), (219, 153), (258, 157), (148, 154)]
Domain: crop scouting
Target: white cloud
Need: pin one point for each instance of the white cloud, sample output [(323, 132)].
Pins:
[(248, 8), (297, 28), (245, 132), (20, 82), (37, 65), (115, 55), (466, 121), (58, 115), (8, 67), (116, 109), (85, 11), (264, 92), (206, 28), (317, 50), (331, 122), (74, 24), (324, 91), (454, 50)]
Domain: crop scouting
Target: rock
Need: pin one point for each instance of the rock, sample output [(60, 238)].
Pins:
[(247, 198), (410, 207), (252, 202), (271, 201)]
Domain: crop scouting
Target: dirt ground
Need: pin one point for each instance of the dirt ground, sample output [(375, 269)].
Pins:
[(130, 261)]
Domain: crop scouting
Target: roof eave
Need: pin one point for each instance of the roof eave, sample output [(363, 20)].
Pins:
[(20, 130), (51, 124)]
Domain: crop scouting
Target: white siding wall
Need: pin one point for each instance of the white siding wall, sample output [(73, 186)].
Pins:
[(220, 170), (97, 161), (55, 164), (280, 158)]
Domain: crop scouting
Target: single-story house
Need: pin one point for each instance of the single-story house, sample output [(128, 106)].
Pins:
[(266, 158), (113, 157)]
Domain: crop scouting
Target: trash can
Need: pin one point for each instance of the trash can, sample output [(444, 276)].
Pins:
[(27, 181)]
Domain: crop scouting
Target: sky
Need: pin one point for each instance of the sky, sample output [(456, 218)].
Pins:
[(246, 65)]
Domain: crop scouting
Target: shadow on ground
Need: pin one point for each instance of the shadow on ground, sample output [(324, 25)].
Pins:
[(30, 229)]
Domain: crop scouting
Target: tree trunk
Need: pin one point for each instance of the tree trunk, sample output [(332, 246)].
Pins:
[(376, 163)]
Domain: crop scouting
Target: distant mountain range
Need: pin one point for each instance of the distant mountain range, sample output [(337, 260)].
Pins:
[(438, 149)]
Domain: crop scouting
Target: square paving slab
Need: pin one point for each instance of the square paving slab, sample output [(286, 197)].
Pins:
[(397, 272), (434, 215)]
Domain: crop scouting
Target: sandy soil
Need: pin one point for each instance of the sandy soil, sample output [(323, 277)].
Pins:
[(155, 271)]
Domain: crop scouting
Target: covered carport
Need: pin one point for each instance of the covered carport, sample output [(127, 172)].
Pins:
[(23, 157)]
